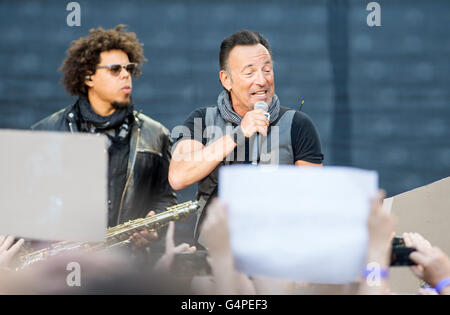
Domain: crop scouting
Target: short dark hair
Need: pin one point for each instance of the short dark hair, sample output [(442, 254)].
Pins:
[(240, 38), (83, 55)]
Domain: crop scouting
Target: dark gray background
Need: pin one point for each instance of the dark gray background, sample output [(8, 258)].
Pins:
[(379, 96)]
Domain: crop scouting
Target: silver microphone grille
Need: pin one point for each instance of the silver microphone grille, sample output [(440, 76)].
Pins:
[(261, 105)]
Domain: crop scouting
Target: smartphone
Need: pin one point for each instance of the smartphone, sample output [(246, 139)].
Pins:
[(189, 265), (400, 253)]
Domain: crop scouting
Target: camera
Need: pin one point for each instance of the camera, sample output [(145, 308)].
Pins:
[(400, 253)]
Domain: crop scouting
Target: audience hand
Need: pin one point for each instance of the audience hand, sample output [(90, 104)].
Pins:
[(215, 230), (216, 238), (164, 264), (381, 231), (7, 252), (433, 264)]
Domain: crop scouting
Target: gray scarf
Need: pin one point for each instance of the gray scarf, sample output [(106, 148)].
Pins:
[(229, 115)]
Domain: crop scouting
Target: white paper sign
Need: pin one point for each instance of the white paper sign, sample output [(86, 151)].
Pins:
[(53, 185), (299, 223)]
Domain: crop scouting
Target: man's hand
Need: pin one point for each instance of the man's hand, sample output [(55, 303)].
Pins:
[(432, 263), (143, 238), (255, 121), (164, 264), (7, 252)]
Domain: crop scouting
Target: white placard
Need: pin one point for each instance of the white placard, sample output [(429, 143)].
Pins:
[(299, 223), (53, 185)]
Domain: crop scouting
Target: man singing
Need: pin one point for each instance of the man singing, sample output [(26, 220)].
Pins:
[(246, 73), (99, 70)]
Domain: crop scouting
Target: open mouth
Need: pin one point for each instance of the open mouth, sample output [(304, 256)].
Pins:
[(260, 94)]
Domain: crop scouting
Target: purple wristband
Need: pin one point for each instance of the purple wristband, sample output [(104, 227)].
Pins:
[(383, 274), (442, 285)]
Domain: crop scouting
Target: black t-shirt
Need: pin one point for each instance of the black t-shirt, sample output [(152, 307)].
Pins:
[(304, 136)]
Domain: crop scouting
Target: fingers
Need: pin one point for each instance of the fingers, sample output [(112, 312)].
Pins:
[(15, 248), (215, 215), (170, 243), (250, 130), (137, 240), (377, 202), (255, 121), (415, 240), (7, 243), (185, 249), (7, 252), (165, 262), (417, 271), (262, 130), (407, 239), (381, 195), (419, 258), (149, 235), (262, 115), (182, 248), (261, 121), (143, 238), (420, 241)]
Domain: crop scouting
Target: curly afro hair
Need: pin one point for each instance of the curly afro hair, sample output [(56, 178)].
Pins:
[(84, 55)]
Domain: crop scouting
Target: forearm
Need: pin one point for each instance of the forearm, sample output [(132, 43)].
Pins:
[(379, 255), (369, 287), (376, 282), (187, 168), (224, 275)]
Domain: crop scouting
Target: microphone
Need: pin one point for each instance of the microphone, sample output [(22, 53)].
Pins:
[(259, 105)]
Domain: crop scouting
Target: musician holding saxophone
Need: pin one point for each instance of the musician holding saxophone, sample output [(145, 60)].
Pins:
[(99, 70), (247, 106)]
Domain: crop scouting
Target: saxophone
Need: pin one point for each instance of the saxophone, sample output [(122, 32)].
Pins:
[(116, 236)]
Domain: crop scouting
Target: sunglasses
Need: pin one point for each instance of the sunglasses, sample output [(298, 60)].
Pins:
[(116, 68)]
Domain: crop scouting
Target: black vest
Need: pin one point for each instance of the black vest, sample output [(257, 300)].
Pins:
[(275, 149)]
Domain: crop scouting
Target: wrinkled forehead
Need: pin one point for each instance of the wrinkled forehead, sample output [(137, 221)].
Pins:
[(242, 57)]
